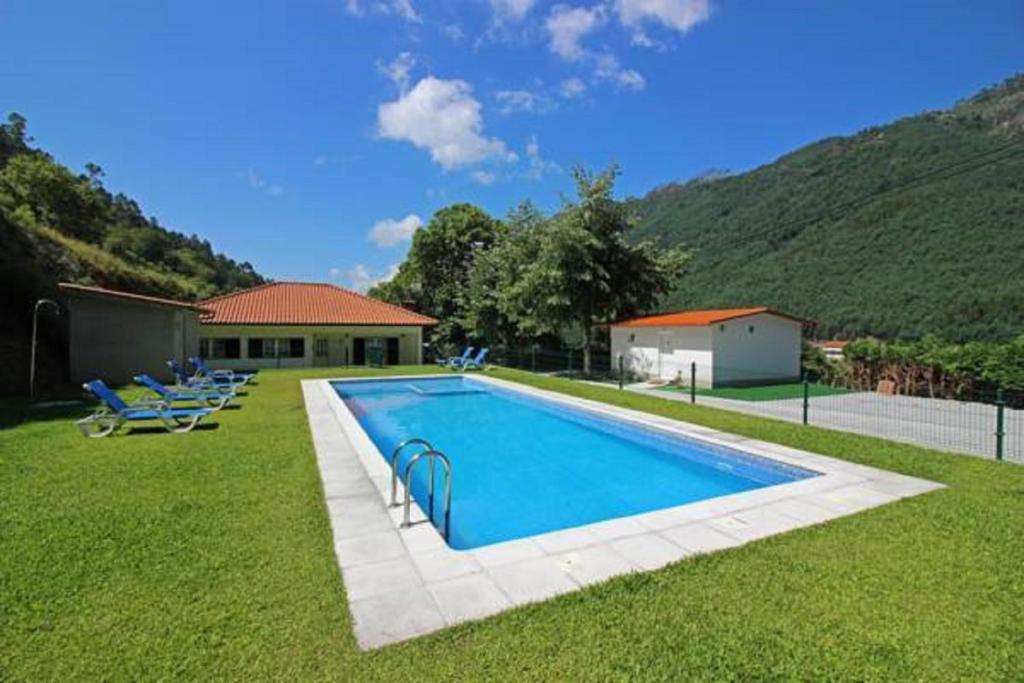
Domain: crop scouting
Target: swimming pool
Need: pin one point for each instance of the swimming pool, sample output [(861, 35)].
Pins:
[(523, 465)]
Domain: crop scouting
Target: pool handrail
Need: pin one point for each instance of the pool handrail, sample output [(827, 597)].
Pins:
[(432, 455), (394, 464)]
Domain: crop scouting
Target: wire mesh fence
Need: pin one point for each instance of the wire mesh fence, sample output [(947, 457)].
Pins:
[(985, 422)]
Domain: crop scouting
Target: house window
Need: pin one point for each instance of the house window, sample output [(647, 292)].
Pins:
[(217, 349), (294, 347), (320, 347)]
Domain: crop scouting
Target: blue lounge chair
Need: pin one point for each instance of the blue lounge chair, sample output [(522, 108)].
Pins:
[(186, 382), (455, 361), (203, 371), (476, 363), (116, 413), (214, 399)]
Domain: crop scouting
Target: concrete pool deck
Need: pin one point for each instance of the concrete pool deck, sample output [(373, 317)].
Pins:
[(403, 583)]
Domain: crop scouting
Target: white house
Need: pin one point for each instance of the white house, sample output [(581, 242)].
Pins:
[(302, 324), (732, 346)]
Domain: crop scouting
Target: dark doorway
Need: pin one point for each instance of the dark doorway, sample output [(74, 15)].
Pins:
[(392, 351), (358, 351)]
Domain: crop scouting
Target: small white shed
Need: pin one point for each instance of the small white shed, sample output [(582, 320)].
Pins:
[(731, 346)]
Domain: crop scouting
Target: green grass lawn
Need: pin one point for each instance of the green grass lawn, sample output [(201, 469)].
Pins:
[(771, 392), (209, 556)]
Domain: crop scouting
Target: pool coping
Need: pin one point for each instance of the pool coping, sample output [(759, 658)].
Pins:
[(403, 583)]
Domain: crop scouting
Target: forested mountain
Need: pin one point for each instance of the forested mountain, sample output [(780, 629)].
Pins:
[(902, 230), (56, 225)]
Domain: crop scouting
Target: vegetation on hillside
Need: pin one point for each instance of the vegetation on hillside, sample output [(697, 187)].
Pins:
[(903, 230), (56, 225)]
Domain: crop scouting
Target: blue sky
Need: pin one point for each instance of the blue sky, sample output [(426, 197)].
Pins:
[(312, 137)]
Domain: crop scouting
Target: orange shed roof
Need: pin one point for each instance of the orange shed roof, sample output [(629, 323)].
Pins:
[(700, 318), (305, 303)]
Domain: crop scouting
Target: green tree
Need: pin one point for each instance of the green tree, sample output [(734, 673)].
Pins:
[(495, 309), (583, 271), (55, 195), (434, 277)]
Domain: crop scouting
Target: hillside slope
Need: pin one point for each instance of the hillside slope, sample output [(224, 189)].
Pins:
[(58, 226), (902, 230)]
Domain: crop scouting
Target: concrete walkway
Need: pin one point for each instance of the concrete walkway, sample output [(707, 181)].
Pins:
[(934, 423)]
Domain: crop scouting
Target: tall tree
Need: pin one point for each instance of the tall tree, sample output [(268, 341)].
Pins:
[(584, 273), (434, 277), (494, 309)]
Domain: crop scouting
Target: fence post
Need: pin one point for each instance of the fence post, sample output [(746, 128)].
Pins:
[(620, 372), (570, 362), (1000, 433), (807, 397), (693, 381), (533, 358)]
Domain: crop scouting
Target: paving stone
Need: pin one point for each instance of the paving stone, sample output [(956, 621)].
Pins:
[(422, 538), (468, 597), (394, 616), (532, 580), (593, 565), (381, 577), (445, 564), (700, 537), (507, 553), (566, 539), (649, 551), (754, 524), (617, 528), (369, 549)]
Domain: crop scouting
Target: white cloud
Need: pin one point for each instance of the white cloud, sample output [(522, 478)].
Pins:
[(361, 278), (400, 8), (391, 231), (571, 88), (511, 10), (567, 26), (399, 69), (454, 33), (483, 177), (258, 183), (607, 68), (442, 117), (513, 101), (680, 15), (538, 166)]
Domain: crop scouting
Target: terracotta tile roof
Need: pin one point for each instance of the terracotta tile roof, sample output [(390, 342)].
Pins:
[(117, 294), (305, 303), (699, 318), (832, 344)]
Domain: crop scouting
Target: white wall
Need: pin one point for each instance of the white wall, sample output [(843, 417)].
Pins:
[(770, 352), (664, 352), (410, 346)]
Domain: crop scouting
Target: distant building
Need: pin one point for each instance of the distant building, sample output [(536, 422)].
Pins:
[(732, 346), (832, 349), (115, 335), (302, 324)]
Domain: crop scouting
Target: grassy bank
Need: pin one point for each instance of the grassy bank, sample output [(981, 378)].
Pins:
[(209, 555)]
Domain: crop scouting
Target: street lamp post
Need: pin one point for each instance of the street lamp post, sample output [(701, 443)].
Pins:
[(35, 326)]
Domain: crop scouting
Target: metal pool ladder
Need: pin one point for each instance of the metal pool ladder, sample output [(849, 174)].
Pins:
[(431, 455)]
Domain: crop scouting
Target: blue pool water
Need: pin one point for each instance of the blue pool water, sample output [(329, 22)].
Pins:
[(524, 465)]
